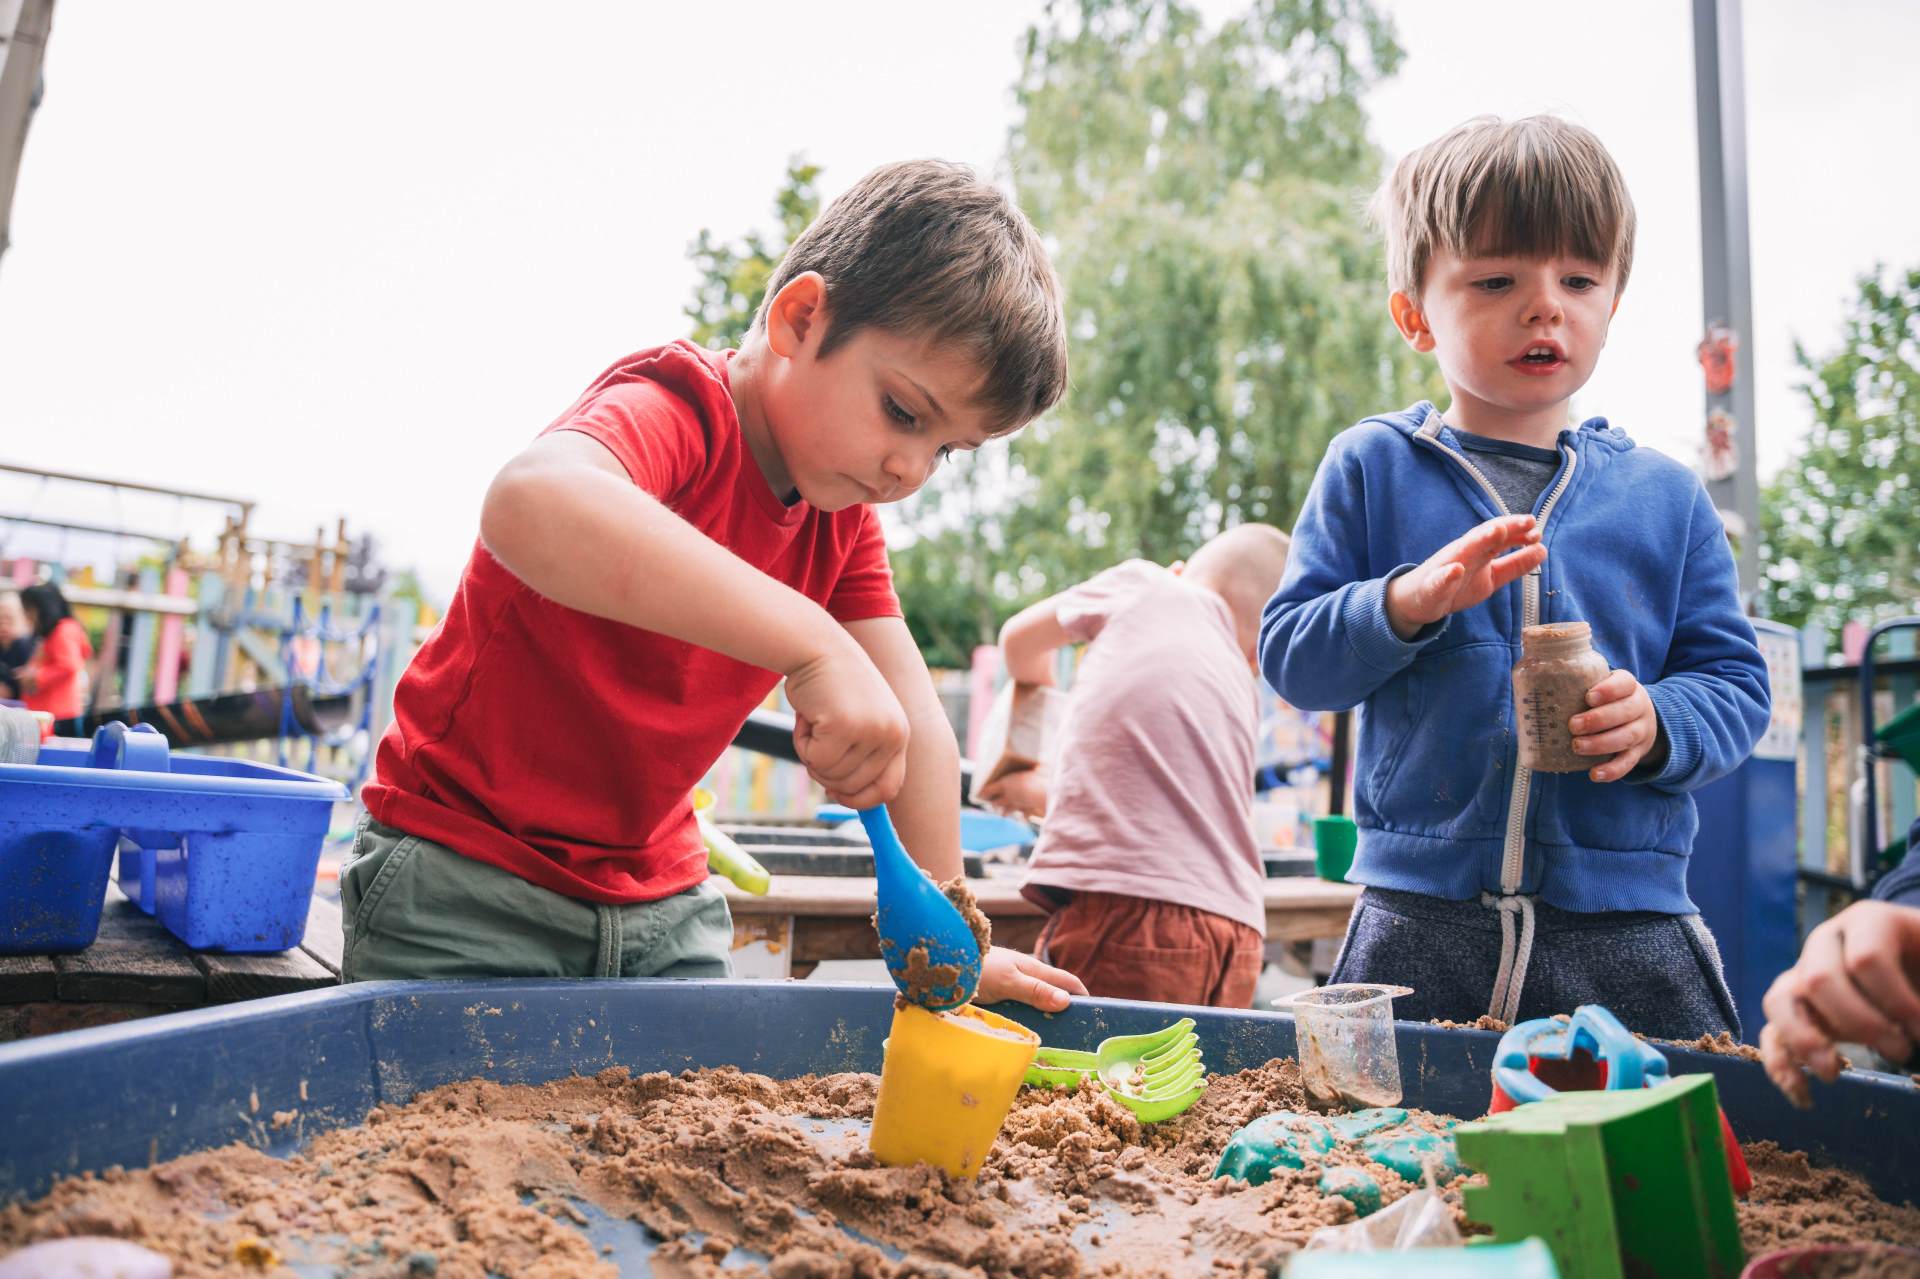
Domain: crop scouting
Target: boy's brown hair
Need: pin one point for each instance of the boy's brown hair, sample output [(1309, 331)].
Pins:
[(926, 248), (1534, 187)]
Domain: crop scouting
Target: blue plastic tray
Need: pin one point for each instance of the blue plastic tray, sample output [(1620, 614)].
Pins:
[(221, 851), (119, 1095)]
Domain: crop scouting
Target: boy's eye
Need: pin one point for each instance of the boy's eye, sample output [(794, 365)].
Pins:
[(897, 413), (1581, 283), (1493, 283)]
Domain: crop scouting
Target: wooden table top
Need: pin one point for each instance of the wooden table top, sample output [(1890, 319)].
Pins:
[(815, 895)]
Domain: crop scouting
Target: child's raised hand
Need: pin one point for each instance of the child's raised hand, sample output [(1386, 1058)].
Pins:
[(1622, 723), (848, 727), (1012, 974), (1464, 572), (1857, 981)]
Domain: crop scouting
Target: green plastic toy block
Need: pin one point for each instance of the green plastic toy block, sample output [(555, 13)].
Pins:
[(1620, 1183)]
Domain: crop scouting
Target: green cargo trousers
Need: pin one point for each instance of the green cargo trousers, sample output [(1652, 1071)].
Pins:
[(416, 909)]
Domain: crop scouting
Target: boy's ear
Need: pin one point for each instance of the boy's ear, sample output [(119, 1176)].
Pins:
[(798, 314), (1412, 324)]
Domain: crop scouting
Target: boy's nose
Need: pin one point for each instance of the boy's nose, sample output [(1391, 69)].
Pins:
[(911, 472), (899, 469), (1544, 307), (1543, 303)]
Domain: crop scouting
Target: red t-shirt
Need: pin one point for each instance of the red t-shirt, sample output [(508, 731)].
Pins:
[(561, 746)]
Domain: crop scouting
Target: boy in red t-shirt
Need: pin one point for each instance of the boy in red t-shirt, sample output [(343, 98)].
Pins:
[(696, 526)]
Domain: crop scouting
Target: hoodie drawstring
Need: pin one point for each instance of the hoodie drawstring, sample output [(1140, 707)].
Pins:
[(1512, 977)]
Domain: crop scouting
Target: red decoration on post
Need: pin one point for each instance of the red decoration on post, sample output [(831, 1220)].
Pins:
[(1719, 455), (1716, 352)]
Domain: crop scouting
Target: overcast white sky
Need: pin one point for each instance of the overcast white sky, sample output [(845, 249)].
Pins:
[(345, 259)]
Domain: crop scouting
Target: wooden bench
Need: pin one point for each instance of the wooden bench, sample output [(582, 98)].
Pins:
[(136, 968)]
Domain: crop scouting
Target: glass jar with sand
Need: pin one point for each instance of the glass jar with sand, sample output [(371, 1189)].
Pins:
[(1557, 667)]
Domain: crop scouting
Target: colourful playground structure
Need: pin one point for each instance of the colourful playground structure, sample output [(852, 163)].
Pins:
[(253, 640)]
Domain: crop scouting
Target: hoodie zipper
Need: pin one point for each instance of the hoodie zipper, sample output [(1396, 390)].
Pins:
[(1514, 850)]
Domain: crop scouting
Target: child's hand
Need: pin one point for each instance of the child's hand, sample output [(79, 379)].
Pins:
[(1010, 974), (1463, 573), (1024, 792), (1857, 981), (848, 727), (1622, 724)]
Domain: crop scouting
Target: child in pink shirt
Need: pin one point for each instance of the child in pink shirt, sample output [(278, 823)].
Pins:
[(1146, 860)]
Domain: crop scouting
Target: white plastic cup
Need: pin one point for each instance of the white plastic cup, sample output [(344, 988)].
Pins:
[(1345, 1037)]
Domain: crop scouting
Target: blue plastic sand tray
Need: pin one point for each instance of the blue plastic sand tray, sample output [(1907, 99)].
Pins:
[(276, 1074)]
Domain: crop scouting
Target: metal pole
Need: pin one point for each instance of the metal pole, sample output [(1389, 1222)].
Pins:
[(132, 486), (771, 733), (224, 717), (1719, 86), (1341, 761), (166, 538)]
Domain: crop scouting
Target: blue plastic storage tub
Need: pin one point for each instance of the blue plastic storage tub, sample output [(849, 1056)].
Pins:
[(221, 851)]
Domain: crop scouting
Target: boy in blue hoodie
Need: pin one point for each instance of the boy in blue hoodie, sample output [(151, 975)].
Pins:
[(1431, 538)]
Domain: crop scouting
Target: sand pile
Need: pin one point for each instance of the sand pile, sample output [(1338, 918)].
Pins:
[(773, 1178)]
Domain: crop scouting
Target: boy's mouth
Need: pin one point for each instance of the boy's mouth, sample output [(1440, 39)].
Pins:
[(1540, 358)]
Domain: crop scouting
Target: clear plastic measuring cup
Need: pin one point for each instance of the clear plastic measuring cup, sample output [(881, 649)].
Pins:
[(1345, 1034)]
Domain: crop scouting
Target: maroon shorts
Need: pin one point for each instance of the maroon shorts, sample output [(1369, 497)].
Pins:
[(1131, 948)]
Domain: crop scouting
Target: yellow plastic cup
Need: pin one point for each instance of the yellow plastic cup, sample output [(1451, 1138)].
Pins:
[(946, 1085)]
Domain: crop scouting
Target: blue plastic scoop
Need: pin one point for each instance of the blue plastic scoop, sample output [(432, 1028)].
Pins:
[(930, 952)]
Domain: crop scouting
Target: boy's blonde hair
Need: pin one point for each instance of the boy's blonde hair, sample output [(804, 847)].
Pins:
[(925, 248), (1532, 188), (1244, 566)]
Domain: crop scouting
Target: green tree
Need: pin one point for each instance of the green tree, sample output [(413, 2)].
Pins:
[(1840, 525), (1202, 187), (734, 277), (1201, 190)]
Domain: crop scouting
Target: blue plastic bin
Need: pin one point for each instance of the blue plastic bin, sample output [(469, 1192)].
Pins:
[(221, 851)]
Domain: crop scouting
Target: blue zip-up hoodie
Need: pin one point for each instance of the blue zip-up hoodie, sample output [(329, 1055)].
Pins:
[(1634, 548)]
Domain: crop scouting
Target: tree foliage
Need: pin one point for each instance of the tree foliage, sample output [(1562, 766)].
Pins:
[(1840, 525), (1201, 189), (733, 278), (1204, 186)]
